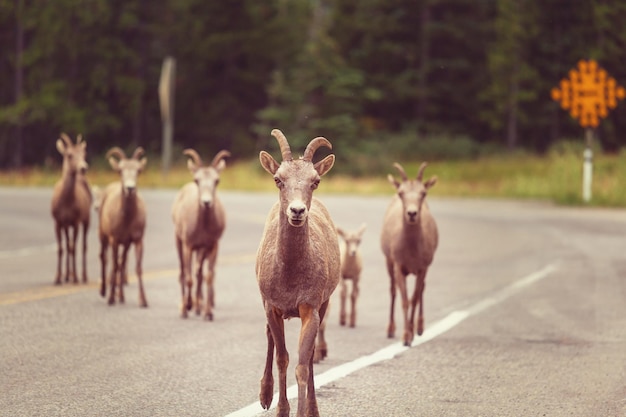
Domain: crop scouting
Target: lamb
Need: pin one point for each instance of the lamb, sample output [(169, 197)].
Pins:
[(122, 222), (199, 221), (71, 203), (297, 268), (351, 266), (409, 239)]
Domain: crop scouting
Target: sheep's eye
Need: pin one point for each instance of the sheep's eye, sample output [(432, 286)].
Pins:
[(278, 182), (197, 181), (217, 181), (315, 184)]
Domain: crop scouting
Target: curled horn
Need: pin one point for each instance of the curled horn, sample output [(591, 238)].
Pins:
[(116, 151), (194, 156), (220, 155), (420, 173), (285, 150), (66, 139), (138, 153), (401, 170), (314, 145)]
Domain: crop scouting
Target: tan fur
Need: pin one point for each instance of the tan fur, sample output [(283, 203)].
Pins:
[(70, 207), (199, 221), (409, 239), (297, 269), (122, 215)]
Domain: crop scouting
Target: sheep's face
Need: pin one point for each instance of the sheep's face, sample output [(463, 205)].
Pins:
[(129, 170), (352, 239), (412, 193), (207, 179), (73, 157), (296, 181)]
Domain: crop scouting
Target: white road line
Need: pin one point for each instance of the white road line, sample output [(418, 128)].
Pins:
[(436, 329)]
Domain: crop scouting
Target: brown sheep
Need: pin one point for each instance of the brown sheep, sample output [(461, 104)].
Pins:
[(297, 269), (71, 204), (199, 221), (351, 266), (122, 222), (409, 239)]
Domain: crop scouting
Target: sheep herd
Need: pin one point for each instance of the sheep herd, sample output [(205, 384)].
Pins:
[(299, 261)]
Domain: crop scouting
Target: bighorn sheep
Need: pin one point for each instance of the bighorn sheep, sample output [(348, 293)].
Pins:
[(297, 269), (71, 204), (199, 222), (409, 239), (122, 222), (351, 265)]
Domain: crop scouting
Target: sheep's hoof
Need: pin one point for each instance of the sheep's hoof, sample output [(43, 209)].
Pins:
[(111, 301), (143, 304), (57, 281), (352, 325), (208, 317), (183, 314), (266, 395), (420, 327)]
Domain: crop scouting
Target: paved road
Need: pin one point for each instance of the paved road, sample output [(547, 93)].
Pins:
[(525, 316)]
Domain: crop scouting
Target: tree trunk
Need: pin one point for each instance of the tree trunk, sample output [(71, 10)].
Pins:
[(19, 81)]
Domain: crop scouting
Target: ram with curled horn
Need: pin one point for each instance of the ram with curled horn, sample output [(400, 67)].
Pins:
[(122, 215), (199, 222), (297, 268), (409, 240)]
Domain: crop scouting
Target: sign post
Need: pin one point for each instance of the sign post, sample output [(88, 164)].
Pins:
[(588, 93), (166, 99)]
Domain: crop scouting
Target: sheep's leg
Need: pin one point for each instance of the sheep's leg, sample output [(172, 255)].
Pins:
[(200, 257), (104, 245), (307, 405), (138, 257), (66, 232), (321, 347), (85, 230), (57, 233), (311, 400), (187, 283), (391, 329), (181, 276), (421, 283), (400, 279), (277, 327), (342, 302), (74, 236), (114, 271), (353, 297), (210, 295), (122, 270), (267, 381)]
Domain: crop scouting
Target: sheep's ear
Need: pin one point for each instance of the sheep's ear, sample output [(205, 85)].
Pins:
[(340, 232), (432, 181), (361, 230), (61, 146), (268, 162), (191, 166), (142, 163), (114, 164), (393, 181), (323, 166)]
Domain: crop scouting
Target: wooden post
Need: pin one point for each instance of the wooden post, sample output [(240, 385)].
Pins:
[(587, 165)]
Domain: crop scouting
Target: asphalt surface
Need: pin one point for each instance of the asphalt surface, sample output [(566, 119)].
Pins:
[(524, 316)]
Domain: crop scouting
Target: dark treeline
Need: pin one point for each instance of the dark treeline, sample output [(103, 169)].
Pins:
[(397, 76)]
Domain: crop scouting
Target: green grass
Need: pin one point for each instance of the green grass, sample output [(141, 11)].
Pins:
[(556, 177)]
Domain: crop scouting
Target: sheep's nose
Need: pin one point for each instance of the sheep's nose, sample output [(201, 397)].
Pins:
[(412, 214), (298, 210)]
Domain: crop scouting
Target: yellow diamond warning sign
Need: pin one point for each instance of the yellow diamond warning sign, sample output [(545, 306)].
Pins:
[(588, 93)]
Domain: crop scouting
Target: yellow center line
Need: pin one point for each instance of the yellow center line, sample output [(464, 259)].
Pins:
[(51, 291)]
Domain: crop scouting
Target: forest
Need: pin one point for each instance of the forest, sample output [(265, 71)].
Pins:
[(409, 78)]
